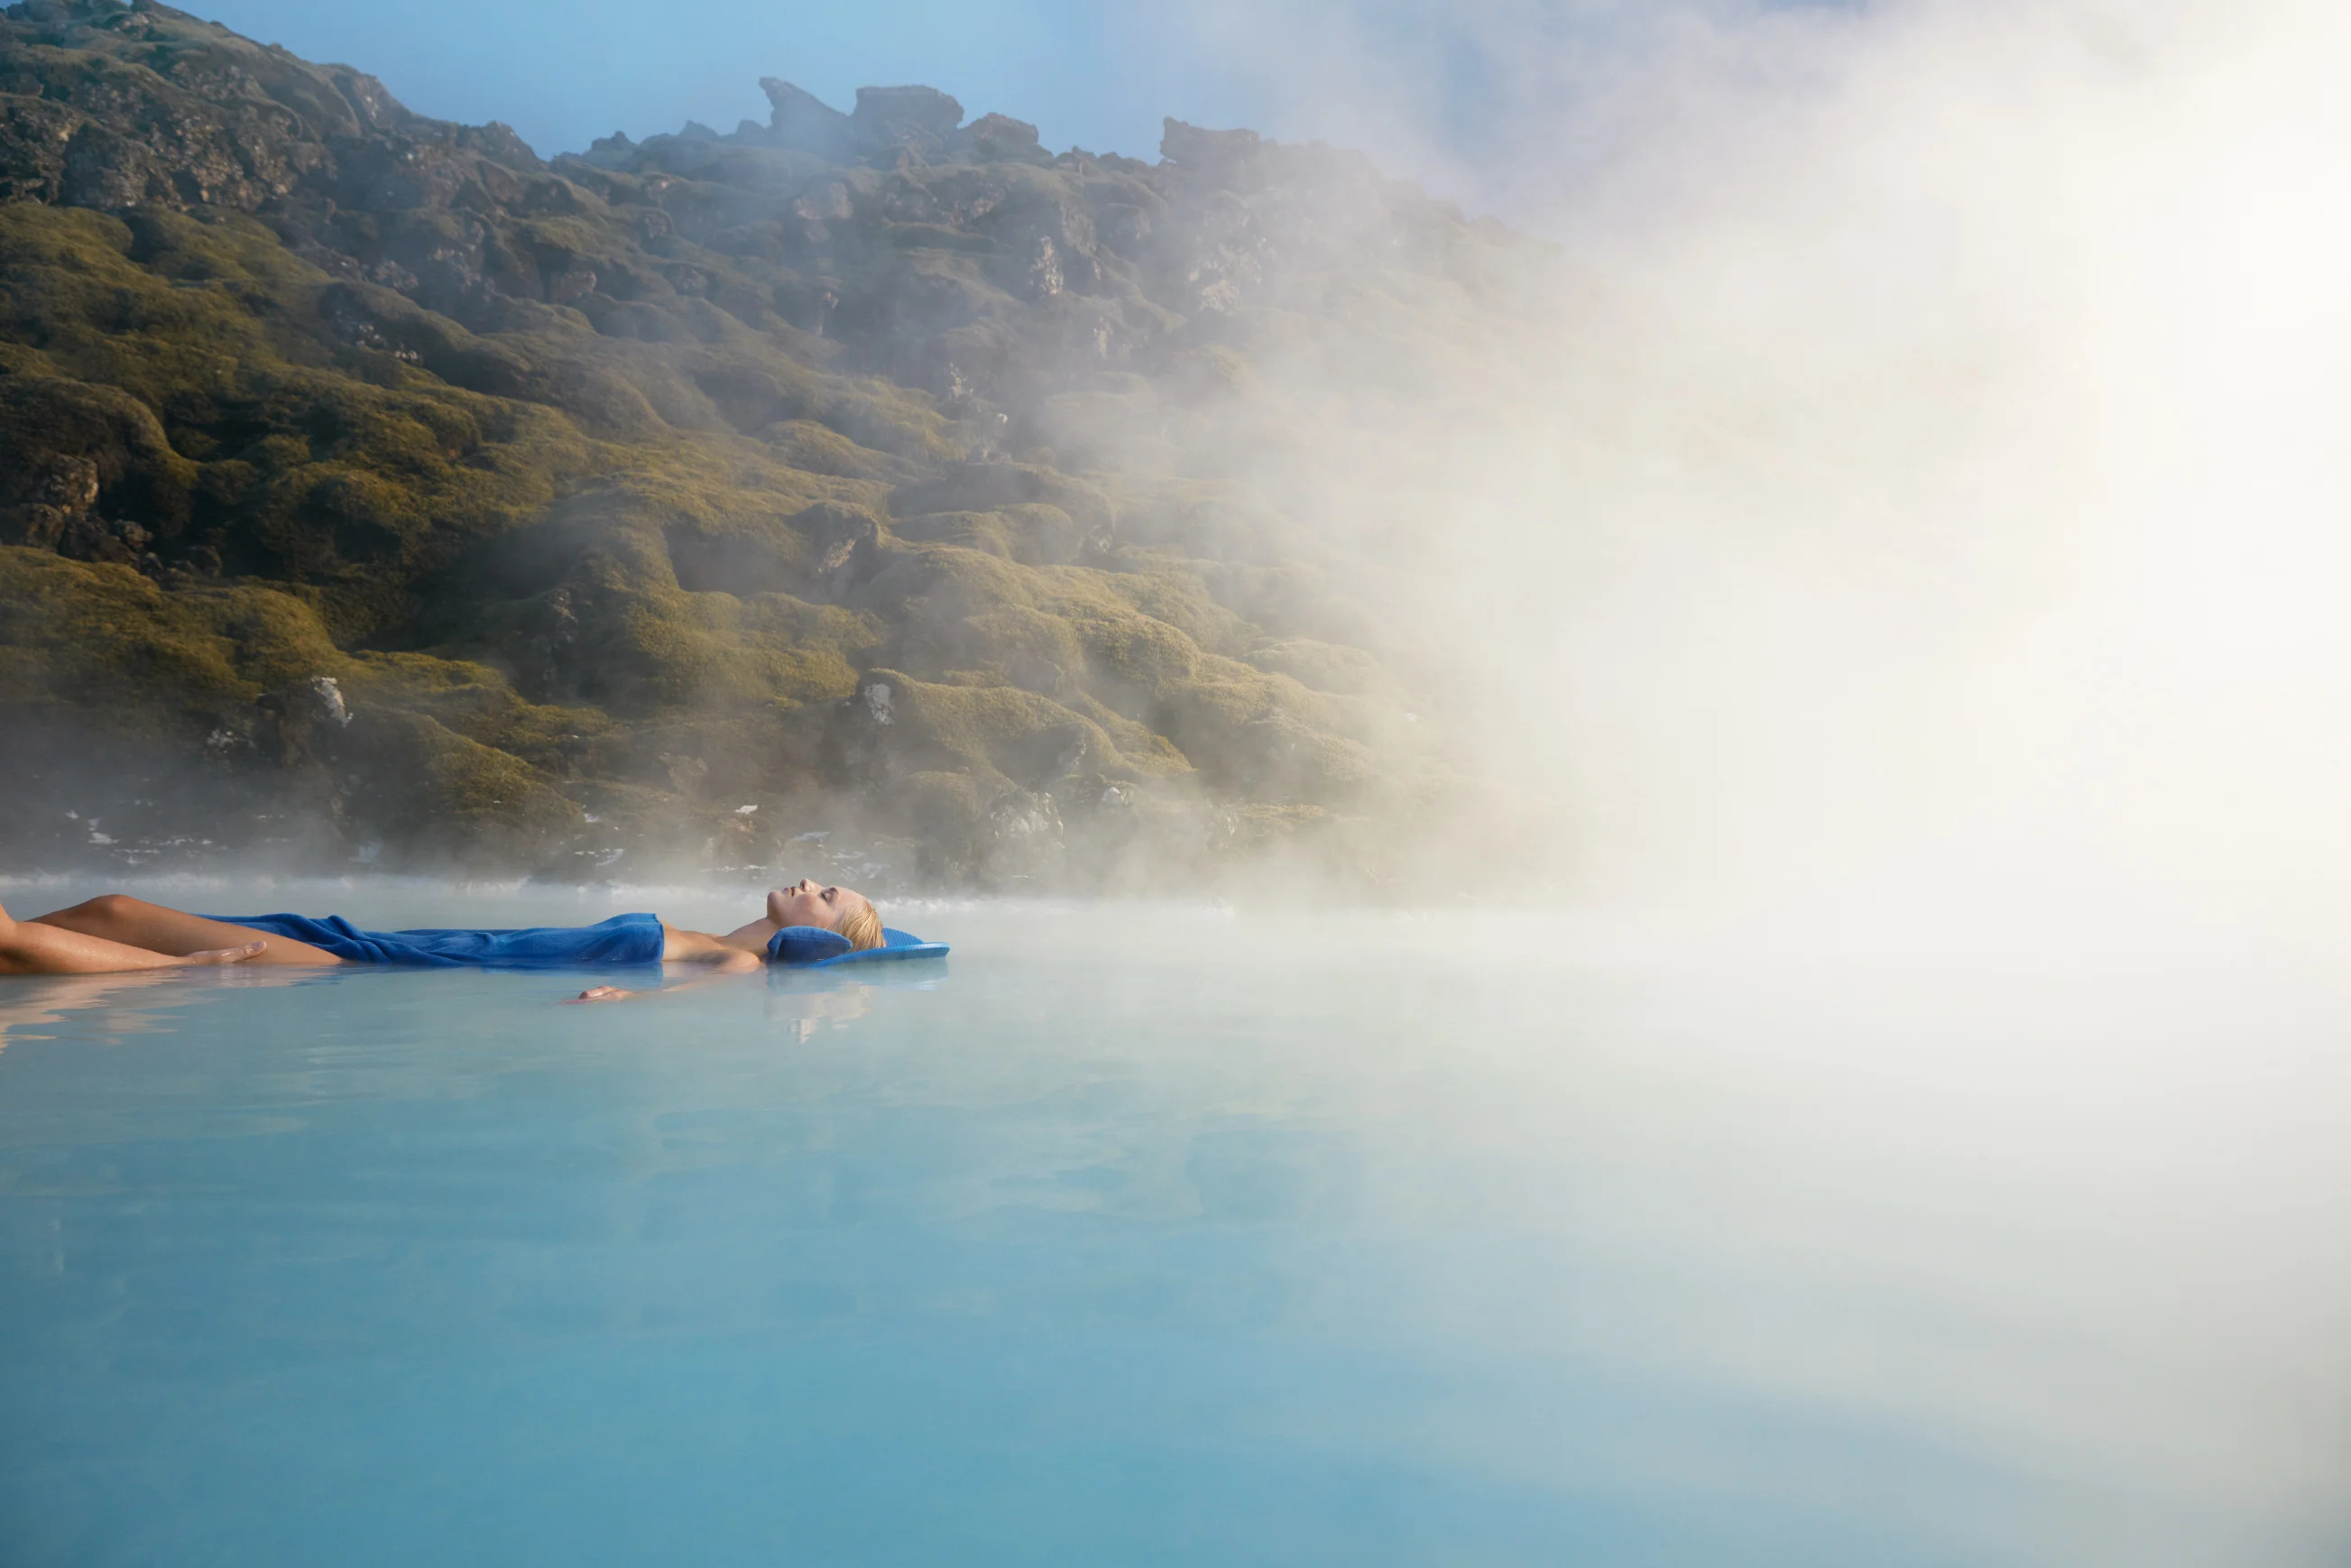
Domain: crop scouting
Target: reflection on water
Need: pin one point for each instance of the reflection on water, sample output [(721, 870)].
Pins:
[(130, 1003), (802, 1003), (1157, 1237)]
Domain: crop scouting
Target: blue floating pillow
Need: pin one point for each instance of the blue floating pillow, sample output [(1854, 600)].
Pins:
[(806, 944), (809, 946)]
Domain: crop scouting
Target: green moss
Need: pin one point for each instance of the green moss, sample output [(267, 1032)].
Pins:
[(96, 634), (811, 447)]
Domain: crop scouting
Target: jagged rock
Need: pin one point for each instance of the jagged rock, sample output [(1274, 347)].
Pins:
[(999, 137), (919, 118), (303, 723), (843, 541), (614, 151), (806, 123), (1222, 156), (85, 538)]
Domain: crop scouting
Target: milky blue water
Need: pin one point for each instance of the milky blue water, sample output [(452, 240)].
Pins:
[(1151, 1236)]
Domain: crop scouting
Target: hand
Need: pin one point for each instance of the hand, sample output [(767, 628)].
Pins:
[(219, 956), (599, 994)]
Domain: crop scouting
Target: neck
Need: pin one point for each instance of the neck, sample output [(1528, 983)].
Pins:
[(754, 937)]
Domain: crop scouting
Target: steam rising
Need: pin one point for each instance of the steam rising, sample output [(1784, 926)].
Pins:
[(1930, 468), (1912, 471)]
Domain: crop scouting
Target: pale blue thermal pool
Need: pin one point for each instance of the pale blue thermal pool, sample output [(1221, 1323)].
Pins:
[(1136, 1236)]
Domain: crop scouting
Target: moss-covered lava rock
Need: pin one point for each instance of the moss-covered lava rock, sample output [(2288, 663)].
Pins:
[(860, 484)]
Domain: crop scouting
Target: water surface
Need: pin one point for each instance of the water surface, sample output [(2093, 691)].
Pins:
[(1166, 1236)]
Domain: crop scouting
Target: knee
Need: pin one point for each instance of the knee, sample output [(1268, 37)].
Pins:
[(110, 907)]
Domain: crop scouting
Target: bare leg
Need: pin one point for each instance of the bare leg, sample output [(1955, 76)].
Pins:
[(31, 947), (134, 921)]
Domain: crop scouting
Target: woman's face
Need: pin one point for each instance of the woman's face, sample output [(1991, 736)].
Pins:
[(807, 903)]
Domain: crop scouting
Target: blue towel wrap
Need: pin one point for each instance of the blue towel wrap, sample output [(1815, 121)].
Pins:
[(623, 939)]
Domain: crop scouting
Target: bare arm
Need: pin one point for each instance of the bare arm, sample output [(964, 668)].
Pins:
[(620, 993), (30, 947), (719, 955)]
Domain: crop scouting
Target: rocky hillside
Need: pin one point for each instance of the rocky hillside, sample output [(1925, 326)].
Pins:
[(872, 490)]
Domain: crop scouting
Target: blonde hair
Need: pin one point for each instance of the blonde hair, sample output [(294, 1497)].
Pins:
[(861, 924)]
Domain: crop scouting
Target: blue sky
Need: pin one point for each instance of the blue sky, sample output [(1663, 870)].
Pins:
[(1478, 100), (563, 73)]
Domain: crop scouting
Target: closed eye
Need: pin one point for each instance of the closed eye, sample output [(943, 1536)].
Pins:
[(829, 892)]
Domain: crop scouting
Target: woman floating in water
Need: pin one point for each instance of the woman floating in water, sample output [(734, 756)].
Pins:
[(116, 932)]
